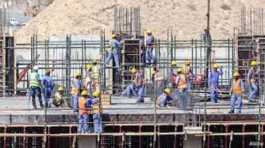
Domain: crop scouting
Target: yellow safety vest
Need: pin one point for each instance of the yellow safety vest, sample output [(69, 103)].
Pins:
[(34, 80)]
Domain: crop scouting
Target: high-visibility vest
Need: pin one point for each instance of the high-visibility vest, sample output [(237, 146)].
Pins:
[(182, 82), (82, 106), (34, 79), (236, 88), (97, 108), (95, 73)]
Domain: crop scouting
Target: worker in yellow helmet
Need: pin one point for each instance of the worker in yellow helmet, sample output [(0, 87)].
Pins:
[(59, 98), (165, 97), (97, 109), (85, 116), (213, 82), (252, 81), (114, 52), (149, 44), (236, 91), (182, 89), (188, 72), (75, 90)]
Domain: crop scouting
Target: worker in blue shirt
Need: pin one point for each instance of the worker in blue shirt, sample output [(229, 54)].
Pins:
[(114, 52), (213, 80), (252, 81), (149, 43), (48, 86), (165, 97)]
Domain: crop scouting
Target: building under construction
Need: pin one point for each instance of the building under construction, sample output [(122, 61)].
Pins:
[(125, 123)]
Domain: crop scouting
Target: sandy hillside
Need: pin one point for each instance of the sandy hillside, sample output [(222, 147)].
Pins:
[(185, 17)]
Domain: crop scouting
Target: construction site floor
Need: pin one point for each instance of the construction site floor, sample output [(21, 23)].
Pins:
[(16, 110)]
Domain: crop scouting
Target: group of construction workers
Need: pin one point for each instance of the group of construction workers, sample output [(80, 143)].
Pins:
[(85, 99), (84, 95), (43, 87)]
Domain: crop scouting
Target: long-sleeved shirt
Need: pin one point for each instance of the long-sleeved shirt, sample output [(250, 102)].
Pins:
[(115, 44), (47, 82), (213, 78), (149, 40), (251, 74)]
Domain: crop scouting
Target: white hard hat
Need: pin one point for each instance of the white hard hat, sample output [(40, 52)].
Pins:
[(36, 67)]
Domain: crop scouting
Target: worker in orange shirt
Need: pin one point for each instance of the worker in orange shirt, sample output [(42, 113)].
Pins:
[(84, 112), (236, 91)]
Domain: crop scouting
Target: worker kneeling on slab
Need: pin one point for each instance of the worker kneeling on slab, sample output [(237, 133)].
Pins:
[(237, 91), (165, 97), (59, 98)]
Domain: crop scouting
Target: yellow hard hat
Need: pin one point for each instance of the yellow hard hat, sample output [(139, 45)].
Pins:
[(77, 74), (188, 61), (148, 31), (89, 66), (215, 66), (179, 70), (84, 93), (236, 74), (253, 63), (96, 93), (113, 35), (173, 63), (60, 88), (167, 90), (132, 69)]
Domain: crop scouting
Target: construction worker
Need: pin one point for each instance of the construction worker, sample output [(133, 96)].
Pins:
[(213, 82), (137, 85), (114, 52), (149, 43), (35, 86), (131, 88), (97, 120), (76, 88), (252, 81), (48, 86), (236, 91), (59, 99), (84, 112), (95, 76), (165, 97), (173, 74), (88, 83), (189, 74), (182, 89)]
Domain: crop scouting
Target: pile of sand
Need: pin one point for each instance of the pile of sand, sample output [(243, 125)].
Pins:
[(187, 18)]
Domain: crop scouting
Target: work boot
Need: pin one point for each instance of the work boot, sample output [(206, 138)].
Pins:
[(231, 112)]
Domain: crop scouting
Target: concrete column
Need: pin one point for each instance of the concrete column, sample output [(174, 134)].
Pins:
[(192, 141)]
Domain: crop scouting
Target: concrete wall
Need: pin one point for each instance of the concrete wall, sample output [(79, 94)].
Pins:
[(85, 142)]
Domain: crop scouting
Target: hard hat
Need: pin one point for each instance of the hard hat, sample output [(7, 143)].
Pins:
[(253, 63), (89, 66), (60, 88), (236, 74), (84, 93), (132, 69), (215, 66), (179, 70), (96, 93), (78, 74), (174, 63), (113, 35), (188, 62), (167, 90), (148, 31), (36, 67)]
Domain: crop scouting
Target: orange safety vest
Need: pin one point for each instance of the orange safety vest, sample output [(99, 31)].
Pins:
[(82, 106), (182, 84), (237, 87)]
